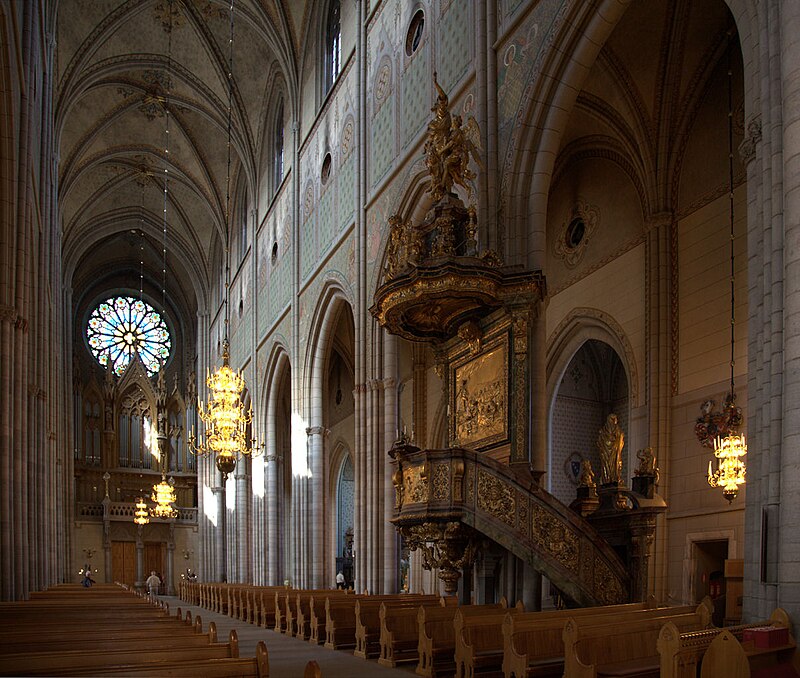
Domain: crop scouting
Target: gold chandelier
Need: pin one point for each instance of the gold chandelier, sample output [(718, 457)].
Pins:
[(226, 418), (730, 449), (730, 471), (141, 516), (164, 497)]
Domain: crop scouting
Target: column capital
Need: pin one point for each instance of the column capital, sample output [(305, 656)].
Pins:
[(656, 220)]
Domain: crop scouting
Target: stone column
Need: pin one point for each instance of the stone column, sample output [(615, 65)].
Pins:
[(244, 554), (391, 560), (220, 535), (789, 544), (139, 583), (107, 559), (169, 586)]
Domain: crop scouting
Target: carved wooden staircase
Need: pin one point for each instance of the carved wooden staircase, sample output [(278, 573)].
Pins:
[(446, 500)]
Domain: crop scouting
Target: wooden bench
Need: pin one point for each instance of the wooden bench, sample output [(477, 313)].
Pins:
[(266, 607), (89, 658), (340, 623), (368, 619), (399, 630), (252, 667), (608, 646), (533, 642), (478, 639), (726, 656), (436, 642), (106, 638), (138, 640), (682, 653)]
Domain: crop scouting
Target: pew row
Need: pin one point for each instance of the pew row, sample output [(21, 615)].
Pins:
[(613, 646), (682, 653)]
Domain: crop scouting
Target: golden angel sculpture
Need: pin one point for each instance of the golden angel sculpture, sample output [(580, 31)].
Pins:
[(449, 147)]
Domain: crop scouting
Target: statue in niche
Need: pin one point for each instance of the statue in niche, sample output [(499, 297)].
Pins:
[(610, 441)]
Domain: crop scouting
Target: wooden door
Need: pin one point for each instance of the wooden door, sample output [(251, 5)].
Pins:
[(155, 559), (123, 562)]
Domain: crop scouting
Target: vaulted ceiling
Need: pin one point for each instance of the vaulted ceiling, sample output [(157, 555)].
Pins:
[(120, 65)]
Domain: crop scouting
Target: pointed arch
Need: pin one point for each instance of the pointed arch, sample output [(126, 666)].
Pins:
[(276, 498), (579, 326)]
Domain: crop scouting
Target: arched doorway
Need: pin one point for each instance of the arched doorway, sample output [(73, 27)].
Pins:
[(345, 516)]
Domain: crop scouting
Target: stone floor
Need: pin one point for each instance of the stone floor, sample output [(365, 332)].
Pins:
[(288, 656)]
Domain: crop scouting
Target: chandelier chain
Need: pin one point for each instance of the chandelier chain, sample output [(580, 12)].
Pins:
[(731, 212), (228, 179), (168, 85)]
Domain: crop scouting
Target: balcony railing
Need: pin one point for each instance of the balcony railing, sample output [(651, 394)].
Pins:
[(93, 511)]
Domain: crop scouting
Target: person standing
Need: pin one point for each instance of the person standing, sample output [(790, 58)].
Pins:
[(153, 583), (339, 580)]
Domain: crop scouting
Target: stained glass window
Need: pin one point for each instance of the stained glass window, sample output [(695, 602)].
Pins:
[(122, 326)]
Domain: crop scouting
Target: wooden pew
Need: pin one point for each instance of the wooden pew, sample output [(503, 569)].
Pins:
[(340, 622), (612, 646), (88, 659), (368, 620), (682, 653), (305, 618), (266, 604), (726, 656), (137, 640), (436, 643), (251, 667), (316, 614), (533, 644), (312, 670), (399, 630), (106, 638), (479, 640)]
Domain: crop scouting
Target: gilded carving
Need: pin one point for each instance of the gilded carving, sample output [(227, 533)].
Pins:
[(523, 518), (496, 497), (449, 147), (520, 332), (586, 476), (397, 481), (447, 547), (458, 475), (415, 485), (470, 483), (441, 482), (647, 463), (610, 440), (520, 410), (471, 333), (556, 538), (608, 589), (481, 395)]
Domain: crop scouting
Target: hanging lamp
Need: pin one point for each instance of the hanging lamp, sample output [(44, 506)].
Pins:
[(225, 417), (141, 516), (729, 450)]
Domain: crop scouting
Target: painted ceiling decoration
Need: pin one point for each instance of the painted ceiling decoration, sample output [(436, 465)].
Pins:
[(112, 80)]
